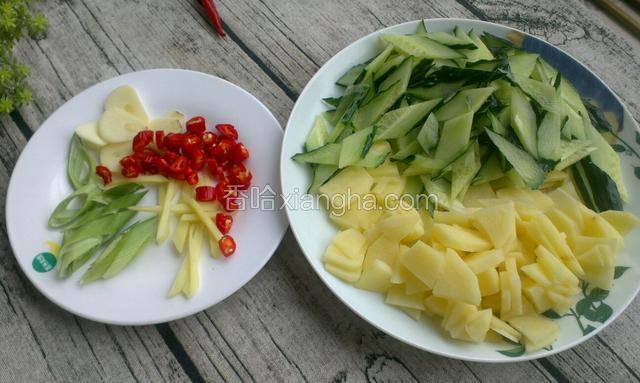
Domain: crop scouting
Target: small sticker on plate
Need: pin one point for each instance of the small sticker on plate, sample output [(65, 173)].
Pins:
[(44, 262)]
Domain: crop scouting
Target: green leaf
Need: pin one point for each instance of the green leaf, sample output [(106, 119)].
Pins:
[(583, 307), (551, 314), (620, 270), (588, 329), (513, 352), (598, 294), (600, 314)]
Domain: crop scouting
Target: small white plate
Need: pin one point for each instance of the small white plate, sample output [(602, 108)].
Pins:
[(138, 295), (314, 231)]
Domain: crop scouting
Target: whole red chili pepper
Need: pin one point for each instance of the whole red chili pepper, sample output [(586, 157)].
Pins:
[(214, 16)]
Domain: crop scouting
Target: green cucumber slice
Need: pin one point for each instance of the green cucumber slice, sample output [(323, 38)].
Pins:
[(549, 137), (354, 147), (523, 121), (454, 137), (351, 75), (468, 100), (429, 133), (422, 165), (523, 163), (318, 135), (463, 171), (490, 170), (450, 40), (376, 155), (328, 154), (523, 63), (398, 122), (420, 46), (572, 151), (321, 174)]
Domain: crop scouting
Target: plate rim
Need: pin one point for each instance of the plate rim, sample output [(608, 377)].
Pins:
[(10, 195), (497, 358)]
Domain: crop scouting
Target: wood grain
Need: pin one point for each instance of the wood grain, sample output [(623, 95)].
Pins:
[(284, 325)]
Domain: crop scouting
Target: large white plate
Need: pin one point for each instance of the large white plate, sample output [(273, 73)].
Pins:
[(314, 231), (139, 294)]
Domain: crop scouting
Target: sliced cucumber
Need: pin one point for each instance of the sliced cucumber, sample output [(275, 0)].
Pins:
[(380, 59), (440, 90), (523, 121), (606, 159), (439, 188), (572, 152), (376, 155), (544, 72), (549, 137), (574, 125), (468, 100), (420, 46), (404, 141), (490, 170), (318, 135), (423, 165), (597, 189), (543, 94), (368, 114), (321, 174), (503, 91), (349, 102), (429, 133), (331, 102), (351, 75), (398, 122), (571, 96), (481, 53), (450, 40), (523, 163), (496, 125), (328, 154), (409, 150), (522, 63), (454, 137), (401, 75), (354, 147), (388, 65), (463, 171)]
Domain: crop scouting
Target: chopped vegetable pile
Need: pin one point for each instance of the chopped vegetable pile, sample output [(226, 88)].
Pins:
[(512, 155), (199, 173), (461, 109)]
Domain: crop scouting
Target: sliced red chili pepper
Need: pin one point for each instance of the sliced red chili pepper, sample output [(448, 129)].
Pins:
[(173, 141), (221, 190), (196, 125), (222, 151), (220, 174), (159, 139), (239, 152), (213, 15), (170, 157), (142, 154), (104, 173), (212, 165), (205, 193), (197, 159), (227, 245), (224, 222), (131, 171), (240, 176), (129, 161), (161, 164), (179, 165), (209, 139), (228, 130), (141, 140), (191, 142), (148, 164), (191, 176)]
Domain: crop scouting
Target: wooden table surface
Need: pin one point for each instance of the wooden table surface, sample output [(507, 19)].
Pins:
[(284, 325)]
